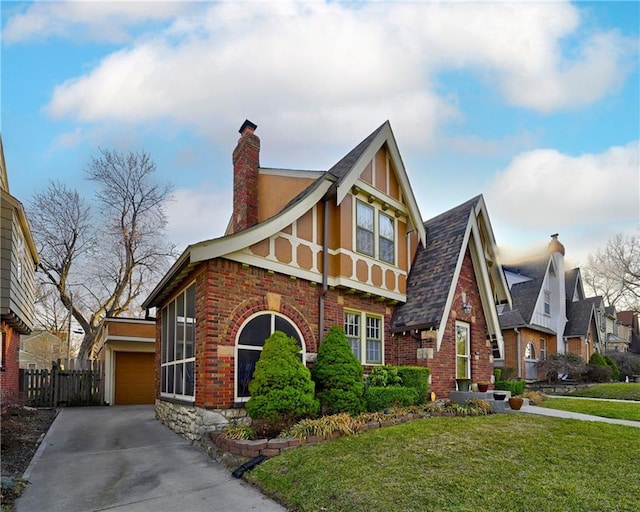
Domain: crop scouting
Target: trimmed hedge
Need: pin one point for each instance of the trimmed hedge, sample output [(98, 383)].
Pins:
[(515, 386), (379, 398), (416, 377)]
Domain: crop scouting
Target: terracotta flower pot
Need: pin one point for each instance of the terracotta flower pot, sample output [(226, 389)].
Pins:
[(483, 387), (515, 402)]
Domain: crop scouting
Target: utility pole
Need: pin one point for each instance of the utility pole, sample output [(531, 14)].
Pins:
[(69, 328)]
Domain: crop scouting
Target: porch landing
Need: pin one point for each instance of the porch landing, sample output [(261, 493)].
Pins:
[(461, 397)]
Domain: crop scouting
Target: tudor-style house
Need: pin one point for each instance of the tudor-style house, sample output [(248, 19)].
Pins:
[(307, 250), (18, 260), (550, 313)]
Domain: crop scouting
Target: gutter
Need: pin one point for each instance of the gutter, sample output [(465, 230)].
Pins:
[(325, 269), (519, 351)]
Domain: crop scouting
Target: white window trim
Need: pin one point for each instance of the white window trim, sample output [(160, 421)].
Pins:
[(377, 211), (546, 300), (363, 335), (186, 398), (467, 327), (254, 347)]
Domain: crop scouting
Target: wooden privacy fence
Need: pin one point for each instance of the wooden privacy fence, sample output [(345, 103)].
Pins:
[(70, 382)]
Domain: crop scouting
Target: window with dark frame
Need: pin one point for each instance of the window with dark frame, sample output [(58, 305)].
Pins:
[(250, 341), (178, 335)]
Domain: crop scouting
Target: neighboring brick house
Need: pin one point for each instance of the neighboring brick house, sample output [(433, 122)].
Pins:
[(450, 321), (631, 321), (304, 251), (550, 313), (18, 260)]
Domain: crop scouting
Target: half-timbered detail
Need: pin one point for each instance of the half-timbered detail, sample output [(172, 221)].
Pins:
[(303, 251)]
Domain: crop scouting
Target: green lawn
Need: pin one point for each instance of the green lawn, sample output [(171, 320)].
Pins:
[(620, 391), (502, 462), (617, 410)]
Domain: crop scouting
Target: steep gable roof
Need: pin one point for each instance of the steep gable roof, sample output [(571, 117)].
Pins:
[(525, 294), (337, 182), (579, 316), (436, 267)]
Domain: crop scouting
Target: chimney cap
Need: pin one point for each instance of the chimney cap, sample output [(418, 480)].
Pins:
[(247, 124), (555, 245)]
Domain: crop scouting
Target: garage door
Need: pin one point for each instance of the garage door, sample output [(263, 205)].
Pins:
[(135, 378)]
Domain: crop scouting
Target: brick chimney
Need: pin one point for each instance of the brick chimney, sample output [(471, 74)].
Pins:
[(246, 161)]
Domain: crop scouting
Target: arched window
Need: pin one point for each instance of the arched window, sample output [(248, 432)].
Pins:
[(251, 337), (530, 351)]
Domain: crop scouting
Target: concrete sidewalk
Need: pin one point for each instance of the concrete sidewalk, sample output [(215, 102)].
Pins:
[(121, 458), (543, 411)]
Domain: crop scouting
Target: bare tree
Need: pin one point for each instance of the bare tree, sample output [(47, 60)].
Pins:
[(614, 272), (101, 264)]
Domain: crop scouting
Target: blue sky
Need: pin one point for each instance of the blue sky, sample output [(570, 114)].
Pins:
[(534, 105)]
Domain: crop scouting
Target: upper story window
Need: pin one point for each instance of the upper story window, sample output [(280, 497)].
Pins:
[(178, 343), (364, 332), (375, 234), (547, 302)]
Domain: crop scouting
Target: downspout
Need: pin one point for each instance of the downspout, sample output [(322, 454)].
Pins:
[(518, 351), (325, 270)]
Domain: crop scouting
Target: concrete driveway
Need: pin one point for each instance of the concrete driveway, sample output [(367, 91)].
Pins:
[(121, 458)]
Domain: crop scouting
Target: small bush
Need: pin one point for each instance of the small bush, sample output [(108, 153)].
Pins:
[(323, 427), (281, 388), (561, 364), (515, 386), (416, 377), (615, 371), (238, 431), (338, 375), (497, 374), (597, 373), (477, 407), (378, 398), (628, 364), (596, 358), (384, 376), (535, 397)]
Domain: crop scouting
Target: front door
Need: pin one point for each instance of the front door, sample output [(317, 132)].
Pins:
[(530, 362)]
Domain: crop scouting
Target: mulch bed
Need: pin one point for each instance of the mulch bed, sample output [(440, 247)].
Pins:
[(22, 430)]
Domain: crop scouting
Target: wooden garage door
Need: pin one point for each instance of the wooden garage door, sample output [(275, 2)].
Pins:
[(134, 378)]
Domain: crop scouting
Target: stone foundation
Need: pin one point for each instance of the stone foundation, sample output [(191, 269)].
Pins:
[(194, 423)]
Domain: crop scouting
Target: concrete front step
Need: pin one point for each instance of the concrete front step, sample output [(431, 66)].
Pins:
[(461, 397)]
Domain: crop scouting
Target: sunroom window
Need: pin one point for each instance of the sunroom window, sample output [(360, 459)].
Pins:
[(178, 346)]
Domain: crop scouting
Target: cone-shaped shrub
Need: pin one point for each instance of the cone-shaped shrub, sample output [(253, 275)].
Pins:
[(338, 375), (281, 388)]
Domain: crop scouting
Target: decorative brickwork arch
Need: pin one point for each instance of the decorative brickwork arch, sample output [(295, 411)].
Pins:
[(255, 320)]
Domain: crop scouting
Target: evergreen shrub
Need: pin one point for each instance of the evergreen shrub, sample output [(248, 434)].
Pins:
[(338, 375), (416, 377), (615, 371), (281, 387), (515, 386)]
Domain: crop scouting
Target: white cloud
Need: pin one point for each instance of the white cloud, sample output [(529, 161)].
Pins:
[(309, 71), (590, 196), (94, 20), (197, 214)]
